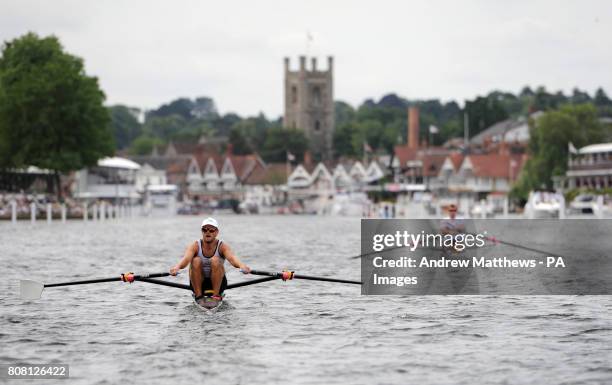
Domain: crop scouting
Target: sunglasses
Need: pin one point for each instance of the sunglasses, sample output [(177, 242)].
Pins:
[(208, 230)]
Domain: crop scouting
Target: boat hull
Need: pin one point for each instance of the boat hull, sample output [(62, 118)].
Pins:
[(208, 304)]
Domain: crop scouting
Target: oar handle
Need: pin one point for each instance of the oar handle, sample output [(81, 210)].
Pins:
[(285, 276), (325, 279), (112, 279)]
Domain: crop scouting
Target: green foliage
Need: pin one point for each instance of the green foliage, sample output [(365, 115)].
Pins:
[(549, 138), (384, 124), (200, 108), (484, 112), (344, 113), (164, 127), (280, 140), (240, 145), (253, 131), (143, 145), (51, 113), (124, 124)]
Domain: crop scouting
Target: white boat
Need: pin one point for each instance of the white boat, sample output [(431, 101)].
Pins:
[(162, 195), (545, 204), (583, 204)]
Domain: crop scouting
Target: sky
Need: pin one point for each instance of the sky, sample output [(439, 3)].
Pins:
[(147, 53)]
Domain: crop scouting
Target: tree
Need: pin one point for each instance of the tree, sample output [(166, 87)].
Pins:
[(125, 126), (280, 140), (240, 146), (580, 97), (484, 112), (204, 108), (143, 145), (549, 140), (164, 127), (601, 99), (51, 113), (343, 142), (344, 113)]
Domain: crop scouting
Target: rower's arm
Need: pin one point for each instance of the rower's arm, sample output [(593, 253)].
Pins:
[(233, 259), (187, 257)]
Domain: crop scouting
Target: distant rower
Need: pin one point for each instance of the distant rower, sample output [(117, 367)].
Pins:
[(205, 258), (452, 224)]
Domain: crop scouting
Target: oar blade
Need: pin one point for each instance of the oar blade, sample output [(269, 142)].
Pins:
[(30, 289)]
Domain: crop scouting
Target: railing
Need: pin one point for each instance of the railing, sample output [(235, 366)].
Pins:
[(574, 166)]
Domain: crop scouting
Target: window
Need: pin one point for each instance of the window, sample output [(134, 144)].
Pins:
[(317, 126), (294, 94), (316, 96)]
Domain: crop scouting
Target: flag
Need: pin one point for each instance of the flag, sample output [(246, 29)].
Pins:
[(571, 148), (290, 157), (433, 129), (366, 147)]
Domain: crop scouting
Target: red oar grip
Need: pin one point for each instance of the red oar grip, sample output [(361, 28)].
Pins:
[(127, 277), (287, 275)]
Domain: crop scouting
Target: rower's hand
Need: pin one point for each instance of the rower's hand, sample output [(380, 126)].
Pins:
[(174, 270), (245, 269)]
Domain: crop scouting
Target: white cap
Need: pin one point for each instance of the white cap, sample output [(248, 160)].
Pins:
[(211, 222)]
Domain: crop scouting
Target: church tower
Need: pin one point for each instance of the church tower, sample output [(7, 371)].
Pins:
[(309, 104)]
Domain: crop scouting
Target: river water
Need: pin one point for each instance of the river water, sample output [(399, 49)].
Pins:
[(291, 332)]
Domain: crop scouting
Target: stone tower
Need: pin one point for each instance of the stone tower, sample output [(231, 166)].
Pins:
[(309, 104)]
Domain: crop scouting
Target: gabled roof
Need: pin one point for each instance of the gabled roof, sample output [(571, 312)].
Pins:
[(299, 177), (228, 172), (514, 129), (341, 174), (404, 154), (432, 163), (320, 172), (211, 171), (494, 165), (374, 172), (456, 158), (357, 171)]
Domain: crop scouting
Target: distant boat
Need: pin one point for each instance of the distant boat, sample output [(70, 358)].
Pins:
[(544, 204), (162, 195)]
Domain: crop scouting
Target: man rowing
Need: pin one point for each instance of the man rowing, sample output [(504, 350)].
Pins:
[(206, 257), (452, 224)]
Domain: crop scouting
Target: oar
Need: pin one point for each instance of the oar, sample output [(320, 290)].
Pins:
[(188, 287), (33, 289), (286, 275), (496, 240)]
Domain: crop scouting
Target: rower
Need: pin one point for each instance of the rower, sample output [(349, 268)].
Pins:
[(452, 224), (205, 258)]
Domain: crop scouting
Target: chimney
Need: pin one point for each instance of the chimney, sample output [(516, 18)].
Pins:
[(302, 63), (314, 64), (330, 64), (286, 64), (413, 127)]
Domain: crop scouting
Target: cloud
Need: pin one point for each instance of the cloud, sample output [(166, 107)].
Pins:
[(148, 53)]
